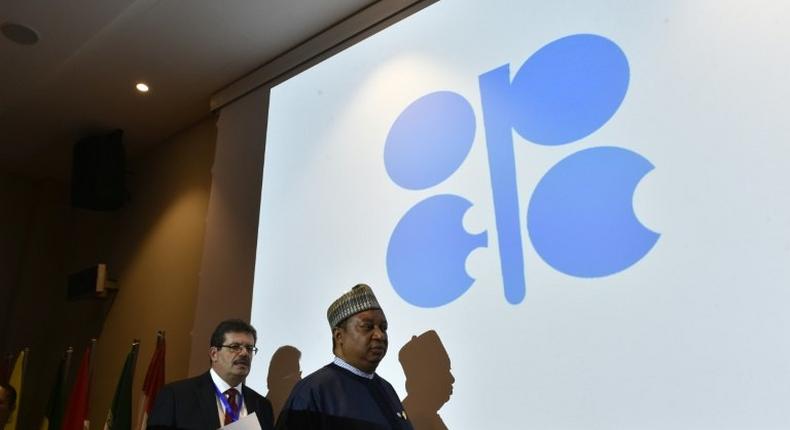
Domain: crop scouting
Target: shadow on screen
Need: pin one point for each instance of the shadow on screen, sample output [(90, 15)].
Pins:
[(429, 383), (284, 373)]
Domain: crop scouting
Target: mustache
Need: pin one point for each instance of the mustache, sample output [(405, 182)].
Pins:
[(242, 360)]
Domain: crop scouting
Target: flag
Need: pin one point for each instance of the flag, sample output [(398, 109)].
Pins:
[(154, 379), (120, 415), (16, 380), (53, 416), (76, 417)]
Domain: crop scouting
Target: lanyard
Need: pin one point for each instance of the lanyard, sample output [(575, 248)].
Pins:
[(234, 416)]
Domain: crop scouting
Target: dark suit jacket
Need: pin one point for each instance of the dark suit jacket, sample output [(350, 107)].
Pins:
[(191, 404)]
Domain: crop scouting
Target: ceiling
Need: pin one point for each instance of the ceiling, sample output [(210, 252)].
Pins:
[(79, 79)]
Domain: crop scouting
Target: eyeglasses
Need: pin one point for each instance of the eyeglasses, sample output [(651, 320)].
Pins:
[(237, 348)]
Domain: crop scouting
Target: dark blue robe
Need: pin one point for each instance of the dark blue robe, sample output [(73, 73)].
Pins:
[(334, 398)]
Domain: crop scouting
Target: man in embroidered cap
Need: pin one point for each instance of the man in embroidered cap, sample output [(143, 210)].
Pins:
[(347, 393)]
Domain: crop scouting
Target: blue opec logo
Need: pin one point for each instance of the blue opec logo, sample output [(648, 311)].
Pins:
[(580, 216)]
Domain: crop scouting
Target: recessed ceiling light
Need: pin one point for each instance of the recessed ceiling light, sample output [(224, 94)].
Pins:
[(19, 33), (143, 88)]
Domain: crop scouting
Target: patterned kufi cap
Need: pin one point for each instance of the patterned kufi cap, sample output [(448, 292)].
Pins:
[(359, 299)]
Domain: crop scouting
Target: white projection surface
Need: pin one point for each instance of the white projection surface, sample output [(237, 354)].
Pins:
[(584, 200)]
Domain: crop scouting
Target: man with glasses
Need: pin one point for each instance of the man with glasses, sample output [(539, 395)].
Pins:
[(219, 396)]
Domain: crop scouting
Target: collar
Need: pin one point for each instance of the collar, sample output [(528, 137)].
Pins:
[(342, 363), (221, 384)]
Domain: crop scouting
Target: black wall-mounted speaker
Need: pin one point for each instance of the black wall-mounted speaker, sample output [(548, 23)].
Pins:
[(98, 173)]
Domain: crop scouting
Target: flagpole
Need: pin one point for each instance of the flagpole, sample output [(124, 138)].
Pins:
[(90, 358), (25, 360), (67, 365), (135, 351)]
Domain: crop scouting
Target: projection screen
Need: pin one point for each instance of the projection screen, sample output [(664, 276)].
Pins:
[(582, 200)]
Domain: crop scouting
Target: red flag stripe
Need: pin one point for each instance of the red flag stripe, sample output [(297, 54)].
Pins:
[(155, 376), (77, 409)]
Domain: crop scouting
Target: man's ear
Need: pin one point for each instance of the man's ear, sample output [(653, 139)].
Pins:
[(337, 335), (213, 352)]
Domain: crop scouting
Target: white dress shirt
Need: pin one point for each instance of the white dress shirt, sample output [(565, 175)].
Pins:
[(223, 386)]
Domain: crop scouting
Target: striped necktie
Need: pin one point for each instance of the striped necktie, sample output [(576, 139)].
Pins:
[(231, 393)]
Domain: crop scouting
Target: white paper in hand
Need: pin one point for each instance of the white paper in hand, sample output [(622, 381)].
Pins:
[(250, 422)]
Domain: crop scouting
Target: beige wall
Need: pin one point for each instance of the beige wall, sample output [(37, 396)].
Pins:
[(153, 246), (157, 258), (228, 264)]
